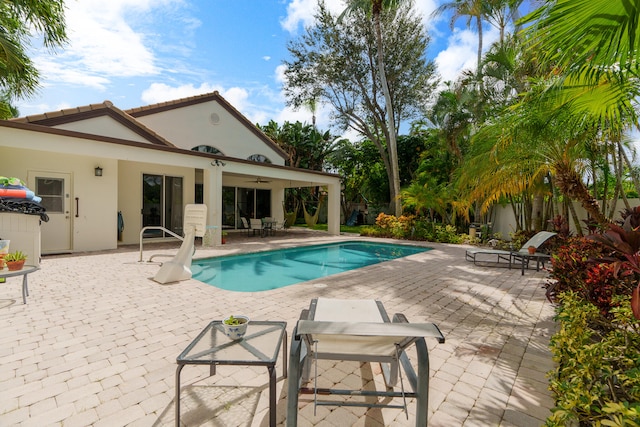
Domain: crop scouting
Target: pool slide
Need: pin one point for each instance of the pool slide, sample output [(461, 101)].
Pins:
[(179, 268)]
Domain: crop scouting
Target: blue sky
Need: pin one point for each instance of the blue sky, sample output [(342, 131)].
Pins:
[(140, 52)]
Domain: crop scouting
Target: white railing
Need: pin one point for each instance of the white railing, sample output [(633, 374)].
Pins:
[(157, 227)]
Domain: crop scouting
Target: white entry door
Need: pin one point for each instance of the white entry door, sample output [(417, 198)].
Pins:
[(55, 190)]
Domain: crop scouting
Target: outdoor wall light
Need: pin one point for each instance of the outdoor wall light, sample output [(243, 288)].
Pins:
[(98, 171)]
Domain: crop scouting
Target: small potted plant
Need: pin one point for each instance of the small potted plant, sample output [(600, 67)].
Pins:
[(235, 326), (224, 237), (15, 260), (532, 250)]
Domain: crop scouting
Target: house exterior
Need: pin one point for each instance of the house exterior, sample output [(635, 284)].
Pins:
[(105, 173)]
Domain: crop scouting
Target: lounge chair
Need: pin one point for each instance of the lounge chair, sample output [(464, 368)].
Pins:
[(360, 330), (481, 254)]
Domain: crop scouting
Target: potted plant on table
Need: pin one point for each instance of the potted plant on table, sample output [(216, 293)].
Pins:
[(235, 326), (15, 260)]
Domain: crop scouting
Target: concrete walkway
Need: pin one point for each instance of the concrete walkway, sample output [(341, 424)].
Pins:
[(97, 341)]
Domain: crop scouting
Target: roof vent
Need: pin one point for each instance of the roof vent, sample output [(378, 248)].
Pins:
[(214, 118)]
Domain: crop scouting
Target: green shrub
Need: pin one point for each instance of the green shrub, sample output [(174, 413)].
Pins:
[(597, 381), (411, 227)]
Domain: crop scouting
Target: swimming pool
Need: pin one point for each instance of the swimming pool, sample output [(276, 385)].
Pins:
[(261, 271)]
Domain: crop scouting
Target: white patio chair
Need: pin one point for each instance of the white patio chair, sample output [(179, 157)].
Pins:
[(359, 330)]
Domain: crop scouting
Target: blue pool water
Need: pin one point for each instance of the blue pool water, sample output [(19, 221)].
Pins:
[(261, 271)]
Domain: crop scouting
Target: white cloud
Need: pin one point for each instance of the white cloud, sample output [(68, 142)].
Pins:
[(461, 52), (106, 40), (425, 8), (266, 57), (60, 73), (302, 11), (160, 92)]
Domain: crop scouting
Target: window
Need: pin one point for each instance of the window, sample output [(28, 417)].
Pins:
[(259, 158), (52, 192), (207, 149)]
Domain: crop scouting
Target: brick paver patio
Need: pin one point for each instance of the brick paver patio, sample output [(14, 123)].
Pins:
[(97, 341)]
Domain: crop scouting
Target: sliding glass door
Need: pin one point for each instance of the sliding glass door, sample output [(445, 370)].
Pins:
[(162, 204), (239, 202)]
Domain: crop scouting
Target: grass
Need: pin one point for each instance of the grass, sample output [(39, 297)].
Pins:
[(343, 228)]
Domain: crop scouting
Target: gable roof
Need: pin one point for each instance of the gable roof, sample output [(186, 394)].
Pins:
[(207, 97), (91, 111)]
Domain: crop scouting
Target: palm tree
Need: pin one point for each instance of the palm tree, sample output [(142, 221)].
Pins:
[(473, 10), (375, 8), (18, 76), (500, 13), (594, 54)]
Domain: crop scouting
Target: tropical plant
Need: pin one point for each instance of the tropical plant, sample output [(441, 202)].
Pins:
[(18, 19), (596, 379), (624, 241), (306, 146)]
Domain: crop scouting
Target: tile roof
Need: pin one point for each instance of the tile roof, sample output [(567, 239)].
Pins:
[(106, 108)]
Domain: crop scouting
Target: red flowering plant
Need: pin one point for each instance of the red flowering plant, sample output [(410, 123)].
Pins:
[(624, 243), (602, 286), (571, 262)]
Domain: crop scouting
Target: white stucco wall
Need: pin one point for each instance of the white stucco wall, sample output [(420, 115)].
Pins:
[(104, 126), (188, 127), (505, 222), (95, 221)]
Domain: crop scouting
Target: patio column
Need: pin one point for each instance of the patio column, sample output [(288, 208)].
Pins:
[(212, 194), (333, 209)]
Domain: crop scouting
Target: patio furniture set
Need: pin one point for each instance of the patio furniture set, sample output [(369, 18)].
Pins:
[(524, 256), (265, 227), (334, 329)]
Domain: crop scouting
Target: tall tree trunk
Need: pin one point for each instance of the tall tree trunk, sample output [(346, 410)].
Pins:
[(616, 158), (537, 211), (516, 215), (479, 70), (571, 186), (632, 171), (392, 145)]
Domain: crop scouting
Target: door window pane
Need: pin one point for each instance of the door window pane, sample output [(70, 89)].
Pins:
[(173, 206), (162, 204), (229, 208), (246, 204), (152, 204), (52, 192), (263, 203)]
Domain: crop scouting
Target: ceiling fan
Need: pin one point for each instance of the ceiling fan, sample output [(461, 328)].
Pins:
[(259, 180)]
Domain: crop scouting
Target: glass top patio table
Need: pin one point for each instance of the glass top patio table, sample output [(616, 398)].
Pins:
[(259, 347)]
